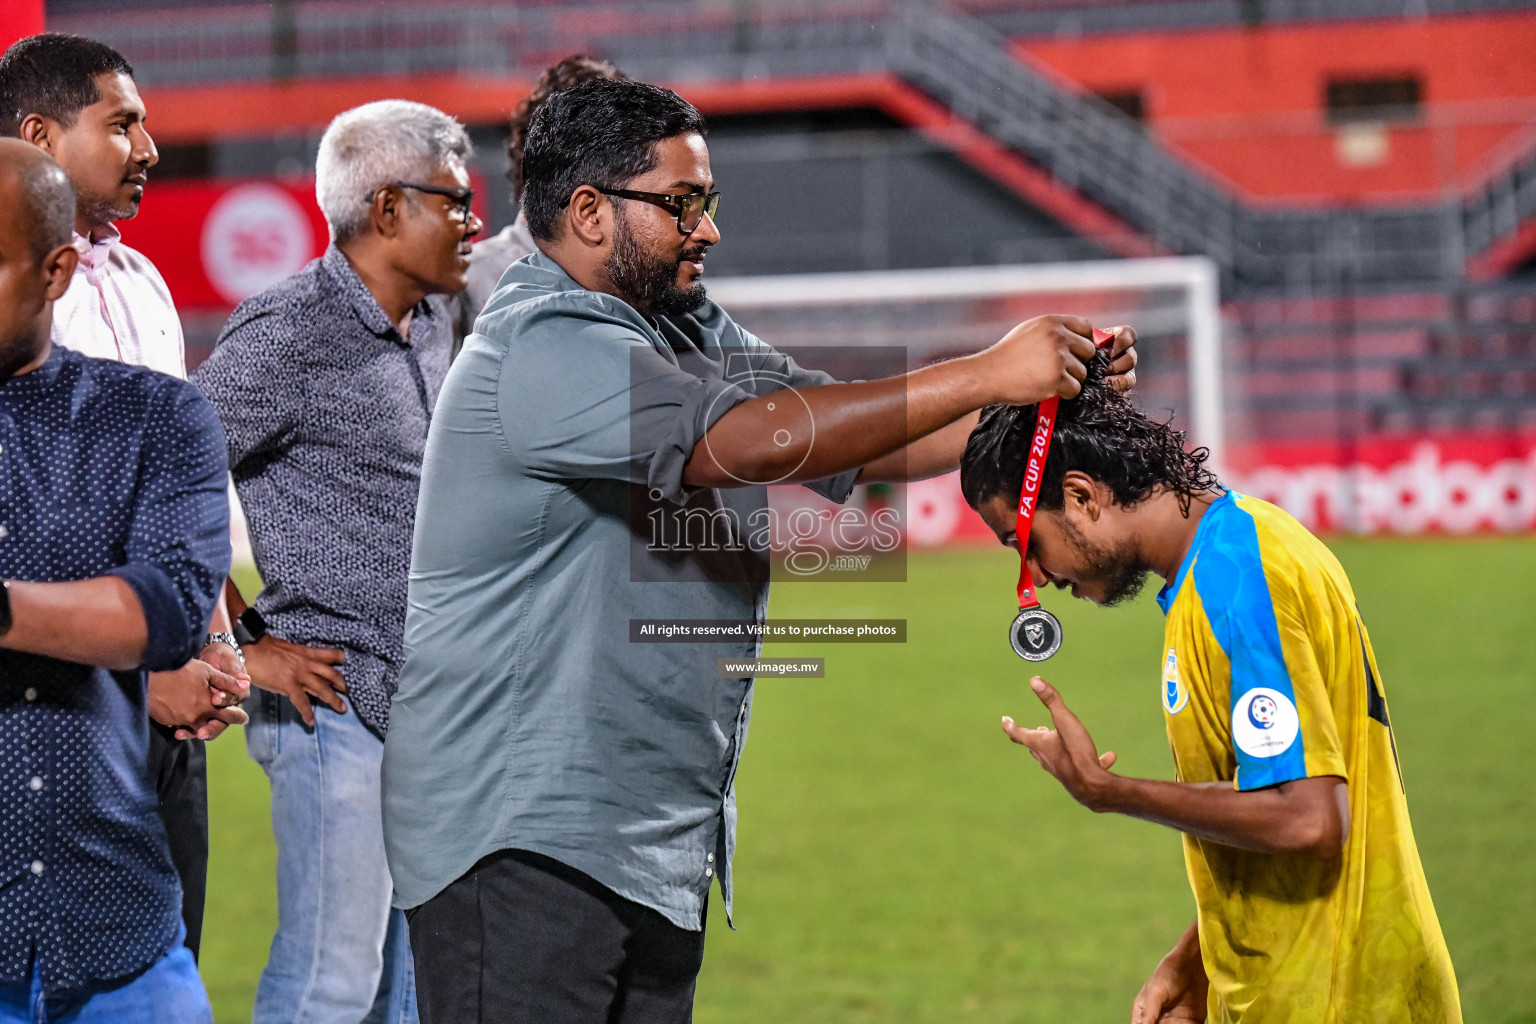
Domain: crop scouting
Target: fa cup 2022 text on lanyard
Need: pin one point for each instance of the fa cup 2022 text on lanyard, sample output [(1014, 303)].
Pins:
[(1035, 633)]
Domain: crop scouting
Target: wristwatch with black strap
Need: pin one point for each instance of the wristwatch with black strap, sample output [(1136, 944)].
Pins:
[(250, 627)]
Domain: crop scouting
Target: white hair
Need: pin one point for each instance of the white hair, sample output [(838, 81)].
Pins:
[(378, 143)]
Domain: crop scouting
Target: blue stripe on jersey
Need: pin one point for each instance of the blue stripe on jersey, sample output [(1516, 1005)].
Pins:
[(1229, 577), (1170, 591)]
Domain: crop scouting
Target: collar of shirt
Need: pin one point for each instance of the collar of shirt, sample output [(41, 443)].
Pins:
[(95, 249), (372, 315)]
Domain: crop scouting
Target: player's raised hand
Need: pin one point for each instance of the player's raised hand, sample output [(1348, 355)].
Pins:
[(1046, 356), (1067, 751), (1122, 353)]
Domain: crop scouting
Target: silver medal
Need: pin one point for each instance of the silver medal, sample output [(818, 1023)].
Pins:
[(1035, 634)]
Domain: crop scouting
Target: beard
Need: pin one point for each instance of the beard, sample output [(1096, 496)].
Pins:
[(1119, 569), (647, 280), (16, 352), (107, 209)]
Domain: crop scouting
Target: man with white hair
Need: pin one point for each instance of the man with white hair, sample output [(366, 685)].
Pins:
[(325, 384)]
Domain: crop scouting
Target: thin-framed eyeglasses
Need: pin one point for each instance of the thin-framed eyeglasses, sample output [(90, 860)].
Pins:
[(460, 198), (689, 209)]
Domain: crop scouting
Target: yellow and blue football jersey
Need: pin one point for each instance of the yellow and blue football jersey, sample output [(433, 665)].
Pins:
[(1268, 676)]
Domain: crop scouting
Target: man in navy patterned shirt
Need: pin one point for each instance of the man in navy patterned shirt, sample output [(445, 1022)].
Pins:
[(114, 541), (325, 383), (75, 99)]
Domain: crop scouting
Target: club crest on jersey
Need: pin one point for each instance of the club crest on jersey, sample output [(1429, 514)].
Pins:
[(1175, 694), (1264, 722)]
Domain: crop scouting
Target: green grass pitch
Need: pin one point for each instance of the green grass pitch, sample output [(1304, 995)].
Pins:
[(901, 861)]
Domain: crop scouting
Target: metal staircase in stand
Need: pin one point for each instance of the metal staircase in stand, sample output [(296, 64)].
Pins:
[(1084, 144), (1088, 146), (1498, 210)]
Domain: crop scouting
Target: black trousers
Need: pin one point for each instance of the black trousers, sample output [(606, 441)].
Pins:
[(180, 771), (523, 939)]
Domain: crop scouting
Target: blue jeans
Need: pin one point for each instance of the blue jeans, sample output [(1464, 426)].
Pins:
[(168, 992), (341, 954)]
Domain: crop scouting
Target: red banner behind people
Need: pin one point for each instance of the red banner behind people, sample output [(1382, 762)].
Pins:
[(217, 242), (1406, 485), (19, 19), (220, 241)]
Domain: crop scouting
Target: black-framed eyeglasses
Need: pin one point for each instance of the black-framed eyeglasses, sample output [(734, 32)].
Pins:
[(689, 209), (461, 198)]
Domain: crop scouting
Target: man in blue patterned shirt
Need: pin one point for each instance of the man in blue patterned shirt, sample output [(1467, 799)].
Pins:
[(114, 541), (325, 384)]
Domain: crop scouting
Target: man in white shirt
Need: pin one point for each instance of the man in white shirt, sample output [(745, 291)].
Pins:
[(75, 99), (118, 306)]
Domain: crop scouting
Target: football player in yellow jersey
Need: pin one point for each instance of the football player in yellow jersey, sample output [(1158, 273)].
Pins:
[(1311, 904)]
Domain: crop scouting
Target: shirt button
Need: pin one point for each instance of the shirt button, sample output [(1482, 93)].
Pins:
[(30, 693), (36, 783), (708, 872), (711, 858), (37, 867), (4, 533)]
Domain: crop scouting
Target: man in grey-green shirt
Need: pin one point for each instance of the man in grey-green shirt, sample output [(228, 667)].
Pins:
[(558, 800)]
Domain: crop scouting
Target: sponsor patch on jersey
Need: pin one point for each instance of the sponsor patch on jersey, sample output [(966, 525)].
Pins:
[(1264, 722), (1175, 693)]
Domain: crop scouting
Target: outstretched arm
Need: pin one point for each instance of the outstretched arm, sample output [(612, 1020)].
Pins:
[(930, 456), (1307, 816), (838, 427)]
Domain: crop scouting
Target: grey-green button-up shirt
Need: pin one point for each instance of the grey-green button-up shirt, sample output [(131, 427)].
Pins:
[(524, 718)]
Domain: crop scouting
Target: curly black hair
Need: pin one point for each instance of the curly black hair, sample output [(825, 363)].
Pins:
[(1099, 433)]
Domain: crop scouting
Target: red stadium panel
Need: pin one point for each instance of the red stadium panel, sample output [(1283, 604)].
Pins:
[(1416, 484), (188, 113), (217, 242), (19, 19)]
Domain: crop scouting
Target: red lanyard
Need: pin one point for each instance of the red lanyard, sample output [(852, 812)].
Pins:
[(1029, 493)]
